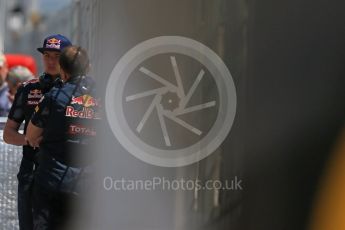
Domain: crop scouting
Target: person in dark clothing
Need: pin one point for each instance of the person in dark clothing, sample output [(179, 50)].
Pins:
[(63, 126), (5, 103), (26, 99), (16, 76)]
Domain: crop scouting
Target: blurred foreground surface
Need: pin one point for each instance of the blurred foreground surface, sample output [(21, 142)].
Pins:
[(10, 157)]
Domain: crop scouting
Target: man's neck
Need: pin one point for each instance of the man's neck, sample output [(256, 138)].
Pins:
[(54, 76)]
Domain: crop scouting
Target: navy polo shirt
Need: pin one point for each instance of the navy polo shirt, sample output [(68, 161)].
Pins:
[(68, 116)]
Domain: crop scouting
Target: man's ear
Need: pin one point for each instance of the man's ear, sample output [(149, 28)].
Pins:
[(63, 75), (18, 84), (3, 72)]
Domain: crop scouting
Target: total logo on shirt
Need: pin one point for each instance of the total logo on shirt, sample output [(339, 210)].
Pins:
[(79, 129)]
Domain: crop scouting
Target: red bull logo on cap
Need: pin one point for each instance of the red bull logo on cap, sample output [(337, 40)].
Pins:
[(84, 100), (53, 43)]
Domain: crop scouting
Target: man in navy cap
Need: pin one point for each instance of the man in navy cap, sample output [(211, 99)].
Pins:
[(25, 101), (64, 126)]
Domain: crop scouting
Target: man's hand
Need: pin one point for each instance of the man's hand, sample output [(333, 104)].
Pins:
[(10, 97), (34, 135), (34, 143)]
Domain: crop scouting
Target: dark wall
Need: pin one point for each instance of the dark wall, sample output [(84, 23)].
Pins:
[(295, 106), (286, 59)]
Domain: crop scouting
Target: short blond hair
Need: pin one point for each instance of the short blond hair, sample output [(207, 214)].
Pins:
[(2, 59)]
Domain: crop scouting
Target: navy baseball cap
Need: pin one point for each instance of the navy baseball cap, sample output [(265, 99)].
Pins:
[(56, 42)]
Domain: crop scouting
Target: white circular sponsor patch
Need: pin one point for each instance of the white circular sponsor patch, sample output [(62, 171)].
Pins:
[(170, 101)]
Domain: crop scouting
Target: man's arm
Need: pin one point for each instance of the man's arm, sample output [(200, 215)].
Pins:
[(16, 117), (11, 134), (34, 131), (34, 135)]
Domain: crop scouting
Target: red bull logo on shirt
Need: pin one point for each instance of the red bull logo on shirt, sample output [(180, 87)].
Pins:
[(86, 113), (85, 100), (36, 93), (34, 97)]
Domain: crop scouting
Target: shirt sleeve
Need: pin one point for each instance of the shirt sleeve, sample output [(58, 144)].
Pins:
[(42, 112), (17, 112)]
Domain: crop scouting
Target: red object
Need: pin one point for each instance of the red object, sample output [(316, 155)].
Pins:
[(23, 60)]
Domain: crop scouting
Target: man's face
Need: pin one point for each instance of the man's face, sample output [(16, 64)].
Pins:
[(3, 73), (51, 62), (12, 87)]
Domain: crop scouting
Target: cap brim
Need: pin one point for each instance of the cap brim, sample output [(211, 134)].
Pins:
[(41, 50)]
